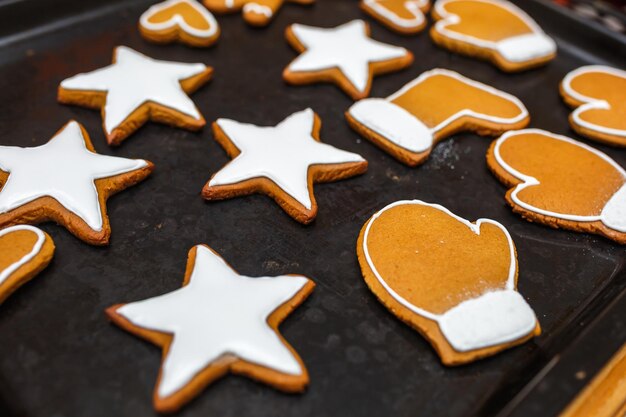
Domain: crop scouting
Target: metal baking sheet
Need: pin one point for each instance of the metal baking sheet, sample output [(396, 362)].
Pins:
[(59, 355)]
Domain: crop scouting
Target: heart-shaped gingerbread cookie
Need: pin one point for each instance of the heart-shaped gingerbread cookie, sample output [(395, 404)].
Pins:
[(560, 182), (186, 21), (403, 16), (452, 280), (24, 252)]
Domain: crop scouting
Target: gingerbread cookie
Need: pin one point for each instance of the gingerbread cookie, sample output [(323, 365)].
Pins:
[(344, 55), (434, 106), (599, 95), (218, 322), (25, 251), (282, 161), (65, 181), (136, 89), (255, 12), (403, 16), (561, 183), (451, 280), (494, 30), (186, 21)]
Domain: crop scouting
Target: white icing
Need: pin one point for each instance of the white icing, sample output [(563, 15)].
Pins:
[(591, 102), (282, 154), (493, 318), (218, 313), (63, 169), (614, 212), (526, 48), (413, 6), (258, 9), (6, 273), (393, 123), (470, 324), (617, 203), (135, 79), (346, 47), (178, 20)]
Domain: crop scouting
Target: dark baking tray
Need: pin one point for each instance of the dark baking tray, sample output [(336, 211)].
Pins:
[(59, 356)]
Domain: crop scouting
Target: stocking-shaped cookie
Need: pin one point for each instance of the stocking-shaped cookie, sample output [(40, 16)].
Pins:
[(560, 182), (24, 252), (451, 280), (186, 21), (495, 30), (599, 94), (432, 107), (403, 16), (255, 12)]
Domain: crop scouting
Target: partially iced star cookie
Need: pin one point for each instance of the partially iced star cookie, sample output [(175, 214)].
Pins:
[(434, 106), (281, 161), (403, 16), (135, 89), (344, 55), (559, 182), (218, 322), (186, 21), (494, 30), (65, 181), (452, 280), (598, 93), (255, 12), (24, 252)]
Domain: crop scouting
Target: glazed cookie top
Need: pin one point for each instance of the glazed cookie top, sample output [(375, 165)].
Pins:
[(189, 15)]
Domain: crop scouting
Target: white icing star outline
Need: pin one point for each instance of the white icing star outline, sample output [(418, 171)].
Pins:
[(281, 161), (135, 89), (59, 181), (344, 54), (218, 322)]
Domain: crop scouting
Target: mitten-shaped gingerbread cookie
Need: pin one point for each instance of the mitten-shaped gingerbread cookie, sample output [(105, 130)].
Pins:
[(495, 30), (432, 107), (403, 16), (186, 21), (599, 95), (255, 12), (451, 280), (560, 182)]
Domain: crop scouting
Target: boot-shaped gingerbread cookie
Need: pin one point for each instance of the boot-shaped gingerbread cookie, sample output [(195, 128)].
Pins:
[(403, 16), (432, 107), (560, 182), (599, 94), (451, 280), (255, 12), (495, 30)]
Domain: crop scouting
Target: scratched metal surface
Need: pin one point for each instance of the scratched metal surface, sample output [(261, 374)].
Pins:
[(60, 357)]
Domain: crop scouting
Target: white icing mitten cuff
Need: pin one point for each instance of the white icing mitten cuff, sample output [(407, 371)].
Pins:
[(614, 213), (393, 123), (493, 318), (526, 47)]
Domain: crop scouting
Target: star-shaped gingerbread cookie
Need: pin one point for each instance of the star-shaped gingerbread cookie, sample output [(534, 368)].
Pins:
[(344, 55), (135, 89), (282, 161), (65, 181), (218, 322)]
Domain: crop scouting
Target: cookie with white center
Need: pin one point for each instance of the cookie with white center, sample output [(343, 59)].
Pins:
[(65, 181), (218, 322), (283, 161), (135, 89), (344, 55)]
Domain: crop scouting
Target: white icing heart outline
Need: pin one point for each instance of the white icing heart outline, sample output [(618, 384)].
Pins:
[(178, 20), (413, 6), (6, 273)]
